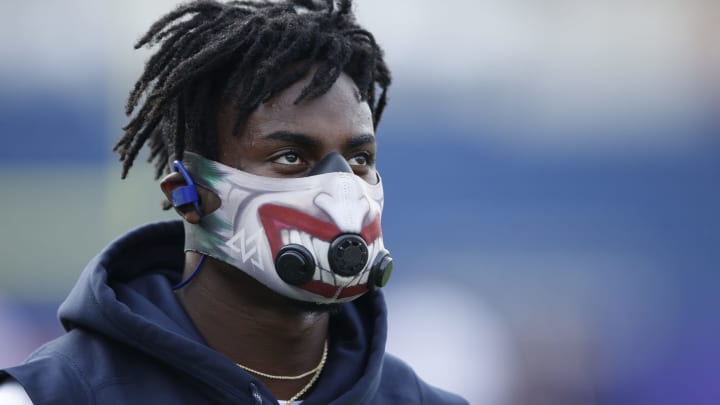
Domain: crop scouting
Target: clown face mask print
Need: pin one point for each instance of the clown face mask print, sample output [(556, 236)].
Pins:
[(316, 238)]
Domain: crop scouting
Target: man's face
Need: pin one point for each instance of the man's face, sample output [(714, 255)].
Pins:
[(284, 139), (311, 235)]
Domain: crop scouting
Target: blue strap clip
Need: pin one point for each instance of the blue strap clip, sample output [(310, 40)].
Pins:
[(185, 194)]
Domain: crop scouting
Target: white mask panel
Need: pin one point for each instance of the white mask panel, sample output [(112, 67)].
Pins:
[(316, 238)]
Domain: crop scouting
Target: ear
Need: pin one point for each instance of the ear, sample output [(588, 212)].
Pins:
[(187, 211)]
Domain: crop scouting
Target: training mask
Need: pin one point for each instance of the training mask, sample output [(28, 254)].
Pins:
[(315, 238)]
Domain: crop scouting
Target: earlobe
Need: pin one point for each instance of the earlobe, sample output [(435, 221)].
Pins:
[(170, 182), (187, 206), (170, 185)]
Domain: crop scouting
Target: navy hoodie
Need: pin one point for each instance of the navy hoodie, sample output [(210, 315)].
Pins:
[(129, 341)]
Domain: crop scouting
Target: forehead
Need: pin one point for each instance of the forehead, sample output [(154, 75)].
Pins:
[(339, 111)]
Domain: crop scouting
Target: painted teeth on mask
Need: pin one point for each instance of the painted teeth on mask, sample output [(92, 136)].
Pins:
[(371, 253), (364, 277), (285, 236), (320, 249), (321, 252), (327, 277)]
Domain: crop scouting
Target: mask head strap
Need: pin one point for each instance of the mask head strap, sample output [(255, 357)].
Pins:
[(185, 194)]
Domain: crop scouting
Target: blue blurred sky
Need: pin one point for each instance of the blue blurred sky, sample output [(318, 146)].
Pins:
[(551, 171)]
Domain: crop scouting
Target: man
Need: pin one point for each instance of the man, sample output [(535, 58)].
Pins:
[(270, 110)]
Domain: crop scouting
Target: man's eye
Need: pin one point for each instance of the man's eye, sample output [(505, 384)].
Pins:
[(359, 160), (289, 158)]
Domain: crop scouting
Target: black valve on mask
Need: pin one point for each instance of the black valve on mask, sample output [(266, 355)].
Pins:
[(348, 255), (381, 270), (295, 264)]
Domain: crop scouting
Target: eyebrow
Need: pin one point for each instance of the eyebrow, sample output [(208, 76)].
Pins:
[(307, 140), (360, 140), (293, 137)]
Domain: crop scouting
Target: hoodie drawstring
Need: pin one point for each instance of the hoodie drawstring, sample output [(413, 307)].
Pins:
[(256, 394)]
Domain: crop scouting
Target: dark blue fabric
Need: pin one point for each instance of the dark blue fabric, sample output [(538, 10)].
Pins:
[(129, 341)]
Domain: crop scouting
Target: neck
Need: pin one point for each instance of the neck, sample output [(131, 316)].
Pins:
[(252, 325)]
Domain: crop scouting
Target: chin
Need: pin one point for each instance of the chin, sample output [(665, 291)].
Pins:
[(314, 307)]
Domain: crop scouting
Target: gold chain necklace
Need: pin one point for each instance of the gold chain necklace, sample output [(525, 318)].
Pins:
[(315, 371)]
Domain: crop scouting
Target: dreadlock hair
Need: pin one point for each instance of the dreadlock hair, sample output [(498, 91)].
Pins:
[(241, 52)]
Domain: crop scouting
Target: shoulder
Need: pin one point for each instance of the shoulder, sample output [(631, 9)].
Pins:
[(77, 367), (49, 370), (85, 368), (12, 393), (400, 384)]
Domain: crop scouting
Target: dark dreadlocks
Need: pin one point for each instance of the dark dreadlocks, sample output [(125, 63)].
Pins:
[(241, 52)]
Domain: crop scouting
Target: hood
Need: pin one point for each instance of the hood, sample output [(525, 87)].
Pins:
[(125, 294)]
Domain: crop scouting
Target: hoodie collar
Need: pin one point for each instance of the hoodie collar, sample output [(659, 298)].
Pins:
[(125, 294)]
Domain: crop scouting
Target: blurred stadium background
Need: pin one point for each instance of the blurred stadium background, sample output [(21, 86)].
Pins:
[(552, 186)]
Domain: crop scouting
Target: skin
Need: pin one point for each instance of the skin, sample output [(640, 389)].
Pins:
[(237, 315)]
